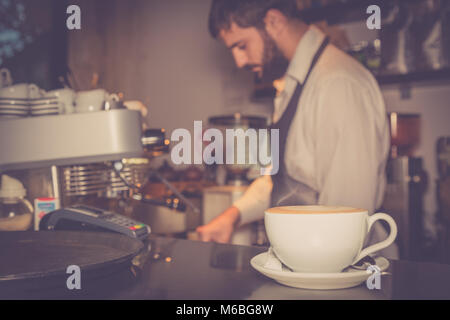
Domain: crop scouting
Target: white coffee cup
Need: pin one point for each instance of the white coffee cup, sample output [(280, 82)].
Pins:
[(66, 97), (90, 101), (5, 78), (21, 91), (322, 239)]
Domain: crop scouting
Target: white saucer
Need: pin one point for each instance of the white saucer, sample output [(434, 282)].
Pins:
[(322, 281)]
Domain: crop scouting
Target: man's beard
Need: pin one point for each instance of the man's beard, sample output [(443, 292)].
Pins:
[(274, 63)]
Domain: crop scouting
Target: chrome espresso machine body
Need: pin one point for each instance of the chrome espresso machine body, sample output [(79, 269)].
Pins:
[(74, 158)]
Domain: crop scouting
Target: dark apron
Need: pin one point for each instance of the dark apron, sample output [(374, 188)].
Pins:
[(287, 191)]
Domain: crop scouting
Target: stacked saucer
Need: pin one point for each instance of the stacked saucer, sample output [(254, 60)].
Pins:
[(45, 106), (13, 108)]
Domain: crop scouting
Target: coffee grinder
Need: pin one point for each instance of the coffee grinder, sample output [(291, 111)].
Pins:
[(233, 179)]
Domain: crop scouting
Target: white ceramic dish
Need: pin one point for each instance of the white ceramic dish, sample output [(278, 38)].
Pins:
[(322, 281)]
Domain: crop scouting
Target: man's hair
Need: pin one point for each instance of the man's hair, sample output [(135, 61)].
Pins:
[(246, 13)]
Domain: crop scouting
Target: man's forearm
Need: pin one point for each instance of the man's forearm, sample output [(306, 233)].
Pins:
[(234, 215), (255, 200)]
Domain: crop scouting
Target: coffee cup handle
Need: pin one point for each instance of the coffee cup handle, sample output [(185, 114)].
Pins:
[(35, 90), (113, 97), (382, 244), (6, 77)]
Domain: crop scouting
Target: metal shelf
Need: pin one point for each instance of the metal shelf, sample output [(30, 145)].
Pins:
[(419, 77), (355, 10)]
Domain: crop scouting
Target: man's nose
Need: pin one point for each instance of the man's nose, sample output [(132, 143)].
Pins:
[(240, 59)]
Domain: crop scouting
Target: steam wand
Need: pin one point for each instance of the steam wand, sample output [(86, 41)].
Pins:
[(170, 203), (175, 191)]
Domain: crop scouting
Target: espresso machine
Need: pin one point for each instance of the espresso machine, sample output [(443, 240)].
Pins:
[(97, 158), (406, 182)]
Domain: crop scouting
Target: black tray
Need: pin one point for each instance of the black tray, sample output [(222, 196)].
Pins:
[(34, 263)]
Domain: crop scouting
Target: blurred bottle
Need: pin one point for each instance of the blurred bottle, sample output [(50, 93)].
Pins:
[(16, 212)]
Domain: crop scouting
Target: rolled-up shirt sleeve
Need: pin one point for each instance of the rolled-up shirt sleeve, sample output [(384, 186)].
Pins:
[(348, 144), (255, 200)]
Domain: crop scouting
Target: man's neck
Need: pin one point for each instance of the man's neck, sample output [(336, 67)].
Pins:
[(292, 37)]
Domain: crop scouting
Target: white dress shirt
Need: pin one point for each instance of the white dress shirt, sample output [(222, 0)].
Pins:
[(338, 141)]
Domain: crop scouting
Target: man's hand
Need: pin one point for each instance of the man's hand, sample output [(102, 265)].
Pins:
[(220, 228)]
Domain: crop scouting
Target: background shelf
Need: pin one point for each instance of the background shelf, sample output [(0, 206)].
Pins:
[(419, 77)]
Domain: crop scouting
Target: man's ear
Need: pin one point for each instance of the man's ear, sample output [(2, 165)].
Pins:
[(275, 22)]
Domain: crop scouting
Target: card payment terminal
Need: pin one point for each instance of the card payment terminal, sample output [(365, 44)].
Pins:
[(81, 217)]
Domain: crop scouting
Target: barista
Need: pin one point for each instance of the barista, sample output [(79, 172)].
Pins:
[(334, 137)]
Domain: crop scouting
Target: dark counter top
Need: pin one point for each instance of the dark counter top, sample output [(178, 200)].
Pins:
[(175, 269), (183, 269)]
